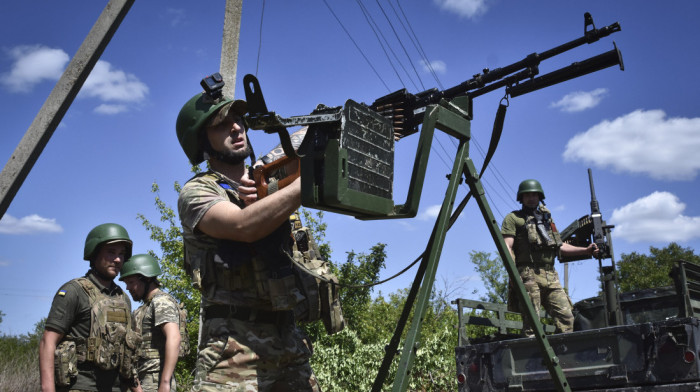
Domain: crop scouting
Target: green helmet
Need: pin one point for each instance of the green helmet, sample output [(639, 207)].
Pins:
[(194, 116), (530, 186), (143, 264), (105, 233)]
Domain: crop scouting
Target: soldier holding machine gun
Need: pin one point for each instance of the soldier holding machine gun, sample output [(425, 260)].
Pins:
[(234, 245)]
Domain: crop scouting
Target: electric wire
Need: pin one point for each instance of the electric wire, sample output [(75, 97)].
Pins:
[(372, 24), (414, 40), (401, 44), (262, 13), (356, 45)]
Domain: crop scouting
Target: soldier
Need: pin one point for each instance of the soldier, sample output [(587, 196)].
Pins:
[(88, 343), (534, 242), (158, 321), (231, 240)]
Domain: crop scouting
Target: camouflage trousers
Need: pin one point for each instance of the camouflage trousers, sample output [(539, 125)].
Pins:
[(544, 288), (151, 381), (242, 356)]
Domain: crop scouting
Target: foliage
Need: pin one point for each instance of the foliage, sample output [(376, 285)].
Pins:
[(493, 274), (19, 362), (349, 360), (638, 271), (174, 279)]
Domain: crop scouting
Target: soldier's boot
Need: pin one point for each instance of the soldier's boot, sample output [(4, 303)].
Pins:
[(284, 293)]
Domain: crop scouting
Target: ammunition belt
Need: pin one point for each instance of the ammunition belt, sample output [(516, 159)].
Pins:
[(248, 314)]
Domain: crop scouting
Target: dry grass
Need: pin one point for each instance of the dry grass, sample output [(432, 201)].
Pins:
[(19, 364)]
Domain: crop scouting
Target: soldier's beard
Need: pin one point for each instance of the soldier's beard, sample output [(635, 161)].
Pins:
[(231, 157)]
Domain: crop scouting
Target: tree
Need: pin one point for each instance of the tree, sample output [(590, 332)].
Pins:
[(493, 274), (174, 279), (639, 271)]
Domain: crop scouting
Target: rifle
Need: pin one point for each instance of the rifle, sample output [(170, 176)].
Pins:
[(406, 110)]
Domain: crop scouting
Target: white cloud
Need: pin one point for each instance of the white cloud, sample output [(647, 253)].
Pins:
[(31, 224), (430, 213), (438, 66), (641, 142), (580, 100), (656, 218), (32, 65), (463, 8), (109, 84), (110, 109)]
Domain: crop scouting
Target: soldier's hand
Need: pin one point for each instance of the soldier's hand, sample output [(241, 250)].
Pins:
[(593, 250), (247, 191)]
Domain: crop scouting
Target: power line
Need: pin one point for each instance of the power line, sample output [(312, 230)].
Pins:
[(401, 44), (416, 43), (372, 24), (356, 45), (262, 13)]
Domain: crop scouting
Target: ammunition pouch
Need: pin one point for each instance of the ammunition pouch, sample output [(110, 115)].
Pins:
[(65, 363), (130, 355), (317, 283)]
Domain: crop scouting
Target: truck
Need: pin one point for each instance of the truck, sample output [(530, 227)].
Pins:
[(642, 340)]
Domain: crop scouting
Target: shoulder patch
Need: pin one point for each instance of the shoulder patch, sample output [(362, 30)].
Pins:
[(61, 293)]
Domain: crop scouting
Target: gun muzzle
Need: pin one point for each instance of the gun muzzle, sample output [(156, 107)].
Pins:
[(593, 64)]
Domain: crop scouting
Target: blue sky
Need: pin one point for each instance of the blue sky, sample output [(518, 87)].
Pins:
[(639, 130)]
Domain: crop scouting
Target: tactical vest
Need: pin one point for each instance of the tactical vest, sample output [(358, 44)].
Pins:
[(111, 344), (233, 265), (539, 239), (151, 346)]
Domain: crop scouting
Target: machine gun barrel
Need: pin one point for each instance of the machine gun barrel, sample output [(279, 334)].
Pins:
[(593, 64), (601, 231), (405, 109)]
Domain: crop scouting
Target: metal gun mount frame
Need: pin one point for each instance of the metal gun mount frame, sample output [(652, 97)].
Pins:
[(323, 154)]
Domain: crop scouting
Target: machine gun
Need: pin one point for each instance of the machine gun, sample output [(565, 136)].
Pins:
[(589, 229), (406, 110), (593, 229), (348, 152)]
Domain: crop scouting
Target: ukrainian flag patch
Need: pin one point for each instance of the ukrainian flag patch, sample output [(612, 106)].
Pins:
[(61, 293)]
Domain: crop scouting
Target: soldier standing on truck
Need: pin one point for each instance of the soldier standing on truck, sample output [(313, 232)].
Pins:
[(534, 242), (231, 241), (88, 343), (159, 321)]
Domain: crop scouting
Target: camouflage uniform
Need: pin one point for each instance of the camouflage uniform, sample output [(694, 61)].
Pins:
[(244, 345), (70, 315), (159, 309), (535, 263)]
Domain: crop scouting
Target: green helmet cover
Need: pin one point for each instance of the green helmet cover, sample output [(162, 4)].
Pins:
[(106, 232), (194, 116), (142, 264), (530, 186)]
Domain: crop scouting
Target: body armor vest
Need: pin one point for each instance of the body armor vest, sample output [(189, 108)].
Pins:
[(539, 241), (153, 345), (111, 344)]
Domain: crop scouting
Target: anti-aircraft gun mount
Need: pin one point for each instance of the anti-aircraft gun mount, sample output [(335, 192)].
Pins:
[(346, 166)]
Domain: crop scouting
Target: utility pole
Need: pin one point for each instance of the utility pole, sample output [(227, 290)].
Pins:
[(229, 45)]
